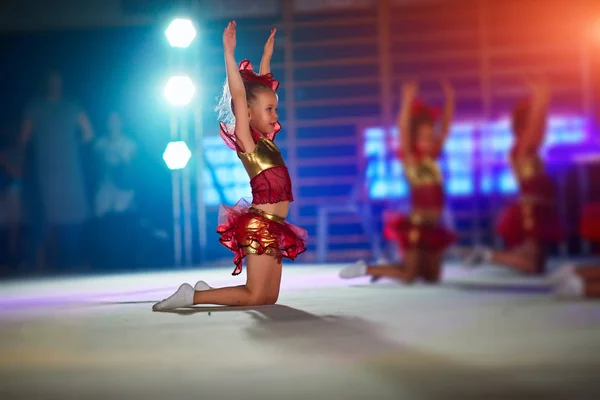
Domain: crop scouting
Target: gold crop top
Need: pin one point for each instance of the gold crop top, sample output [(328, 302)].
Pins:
[(424, 172), (266, 155)]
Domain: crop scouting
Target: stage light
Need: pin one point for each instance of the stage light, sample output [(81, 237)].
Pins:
[(179, 90), (177, 155), (180, 33)]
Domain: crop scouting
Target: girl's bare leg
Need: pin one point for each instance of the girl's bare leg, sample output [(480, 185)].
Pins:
[(529, 258), (406, 272), (275, 282), (261, 288), (432, 266), (592, 290), (591, 273), (516, 261)]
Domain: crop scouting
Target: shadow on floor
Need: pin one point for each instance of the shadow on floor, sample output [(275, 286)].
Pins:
[(359, 344)]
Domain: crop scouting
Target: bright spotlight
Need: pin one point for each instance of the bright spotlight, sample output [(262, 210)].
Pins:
[(180, 90), (180, 32), (177, 155)]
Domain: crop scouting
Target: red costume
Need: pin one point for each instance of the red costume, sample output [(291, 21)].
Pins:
[(535, 214), (590, 222), (248, 230), (422, 228)]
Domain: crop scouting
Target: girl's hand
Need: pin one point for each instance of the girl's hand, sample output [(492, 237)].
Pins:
[(229, 37), (268, 51), (410, 90)]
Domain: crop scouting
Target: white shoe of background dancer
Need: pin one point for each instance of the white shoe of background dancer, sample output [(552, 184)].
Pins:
[(478, 256), (561, 274), (355, 270), (183, 297), (571, 288), (382, 261), (201, 286)]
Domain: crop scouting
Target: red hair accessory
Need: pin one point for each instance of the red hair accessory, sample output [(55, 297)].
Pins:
[(249, 75), (421, 109), (228, 133)]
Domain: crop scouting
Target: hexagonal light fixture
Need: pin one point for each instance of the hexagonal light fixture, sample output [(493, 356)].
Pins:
[(180, 33), (177, 155), (180, 90)]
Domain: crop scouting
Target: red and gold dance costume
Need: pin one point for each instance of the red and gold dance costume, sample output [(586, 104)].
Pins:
[(589, 225), (535, 214), (422, 228), (248, 230)]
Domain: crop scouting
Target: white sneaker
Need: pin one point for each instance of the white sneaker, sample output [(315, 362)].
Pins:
[(355, 270)]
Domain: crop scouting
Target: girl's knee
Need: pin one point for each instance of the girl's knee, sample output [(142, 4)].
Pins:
[(272, 299), (263, 297), (411, 276), (257, 298)]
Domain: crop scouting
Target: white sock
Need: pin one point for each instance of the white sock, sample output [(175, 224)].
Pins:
[(382, 261), (561, 274), (355, 270), (201, 286), (184, 296), (486, 255), (478, 256), (571, 288)]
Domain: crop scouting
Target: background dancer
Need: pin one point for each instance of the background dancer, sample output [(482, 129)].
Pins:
[(532, 222), (572, 281), (420, 235)]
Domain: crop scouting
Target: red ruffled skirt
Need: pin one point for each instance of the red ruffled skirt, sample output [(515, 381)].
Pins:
[(520, 221), (247, 230), (589, 225), (410, 231)]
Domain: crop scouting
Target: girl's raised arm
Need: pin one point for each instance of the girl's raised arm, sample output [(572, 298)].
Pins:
[(535, 128), (265, 62), (408, 95), (448, 113), (238, 92)]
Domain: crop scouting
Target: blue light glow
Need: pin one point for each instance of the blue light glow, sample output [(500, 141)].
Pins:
[(471, 146), (229, 172), (491, 140)]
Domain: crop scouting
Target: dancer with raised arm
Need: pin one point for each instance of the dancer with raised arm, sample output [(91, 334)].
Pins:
[(256, 232), (420, 235), (532, 222)]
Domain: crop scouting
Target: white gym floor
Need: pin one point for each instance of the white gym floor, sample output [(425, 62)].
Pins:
[(482, 334)]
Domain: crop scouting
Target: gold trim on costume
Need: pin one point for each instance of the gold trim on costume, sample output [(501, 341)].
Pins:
[(272, 217), (424, 172), (265, 155), (270, 251), (424, 216), (527, 167)]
